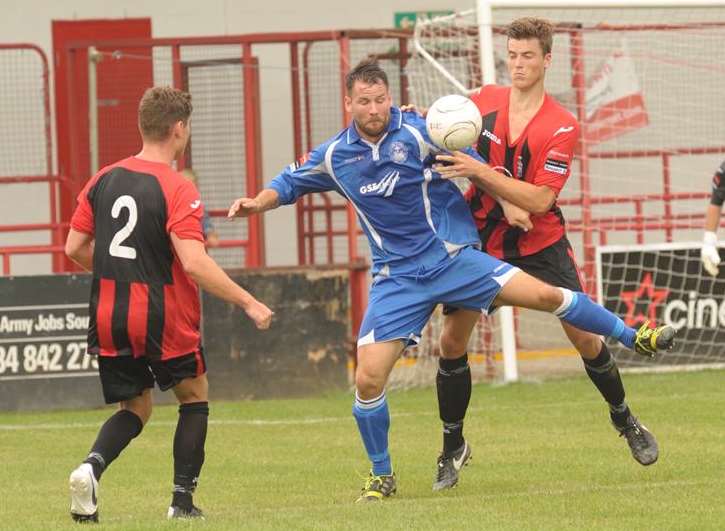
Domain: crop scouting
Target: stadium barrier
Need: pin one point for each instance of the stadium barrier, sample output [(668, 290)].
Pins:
[(43, 330), (26, 156)]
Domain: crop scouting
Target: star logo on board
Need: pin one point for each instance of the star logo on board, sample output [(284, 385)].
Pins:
[(646, 293)]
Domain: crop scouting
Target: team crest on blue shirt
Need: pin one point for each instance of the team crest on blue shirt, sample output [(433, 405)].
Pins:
[(398, 152)]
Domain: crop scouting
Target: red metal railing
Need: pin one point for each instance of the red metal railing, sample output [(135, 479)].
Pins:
[(311, 227), (588, 224), (54, 226), (308, 233), (253, 243)]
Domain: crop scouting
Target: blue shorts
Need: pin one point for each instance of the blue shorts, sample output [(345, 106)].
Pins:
[(400, 306)]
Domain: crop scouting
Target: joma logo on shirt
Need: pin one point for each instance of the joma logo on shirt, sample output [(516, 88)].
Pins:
[(490, 135), (384, 187)]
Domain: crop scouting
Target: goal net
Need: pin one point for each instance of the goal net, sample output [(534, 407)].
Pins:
[(649, 98), (665, 284)]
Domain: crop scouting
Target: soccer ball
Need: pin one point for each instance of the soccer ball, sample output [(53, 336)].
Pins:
[(453, 122)]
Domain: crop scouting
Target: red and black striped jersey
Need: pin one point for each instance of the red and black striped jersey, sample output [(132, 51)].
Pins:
[(142, 301), (542, 155)]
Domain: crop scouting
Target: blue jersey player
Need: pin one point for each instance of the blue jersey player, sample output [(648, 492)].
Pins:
[(422, 240)]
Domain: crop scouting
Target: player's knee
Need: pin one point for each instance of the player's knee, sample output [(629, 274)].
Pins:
[(452, 346), (191, 390), (588, 345), (141, 406), (200, 394), (548, 297), (368, 383)]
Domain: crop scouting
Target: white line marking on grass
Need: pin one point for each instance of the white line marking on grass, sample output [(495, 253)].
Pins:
[(324, 420)]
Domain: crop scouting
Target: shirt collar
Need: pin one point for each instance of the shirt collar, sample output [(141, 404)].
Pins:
[(396, 122)]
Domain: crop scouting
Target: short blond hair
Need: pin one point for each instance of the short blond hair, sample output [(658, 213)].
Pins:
[(160, 108), (532, 28)]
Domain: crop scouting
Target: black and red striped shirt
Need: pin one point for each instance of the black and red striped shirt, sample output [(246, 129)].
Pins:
[(542, 155), (142, 301)]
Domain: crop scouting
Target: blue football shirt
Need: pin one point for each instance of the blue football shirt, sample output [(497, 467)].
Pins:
[(412, 218)]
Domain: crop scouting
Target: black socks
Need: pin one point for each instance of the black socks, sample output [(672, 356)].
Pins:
[(453, 382), (113, 437), (603, 372), (189, 451)]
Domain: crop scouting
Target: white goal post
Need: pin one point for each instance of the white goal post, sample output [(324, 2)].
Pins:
[(666, 142)]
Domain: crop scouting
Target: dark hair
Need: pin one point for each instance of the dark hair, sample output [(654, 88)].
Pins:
[(368, 71), (160, 108), (532, 28)]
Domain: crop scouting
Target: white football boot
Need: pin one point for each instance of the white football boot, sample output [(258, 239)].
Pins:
[(83, 494)]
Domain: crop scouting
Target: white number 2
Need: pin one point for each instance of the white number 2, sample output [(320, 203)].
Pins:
[(116, 249)]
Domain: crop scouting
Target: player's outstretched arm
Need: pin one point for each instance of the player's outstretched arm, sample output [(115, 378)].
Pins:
[(243, 207), (210, 277), (79, 248)]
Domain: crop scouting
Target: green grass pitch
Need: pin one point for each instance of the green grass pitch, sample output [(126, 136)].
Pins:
[(544, 457)]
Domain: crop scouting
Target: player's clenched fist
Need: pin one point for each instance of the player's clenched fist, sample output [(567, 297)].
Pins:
[(516, 216), (260, 314), (243, 207)]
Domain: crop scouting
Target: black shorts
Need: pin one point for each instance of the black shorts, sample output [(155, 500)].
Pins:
[(554, 265), (126, 377)]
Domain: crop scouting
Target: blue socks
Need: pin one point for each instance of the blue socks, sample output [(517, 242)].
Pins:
[(373, 421), (582, 312)]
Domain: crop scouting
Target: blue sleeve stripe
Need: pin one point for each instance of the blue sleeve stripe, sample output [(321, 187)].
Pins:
[(328, 163), (618, 329)]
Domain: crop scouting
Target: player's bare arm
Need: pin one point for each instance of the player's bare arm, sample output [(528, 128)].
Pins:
[(532, 198), (267, 199), (79, 248), (712, 218), (209, 276), (515, 215)]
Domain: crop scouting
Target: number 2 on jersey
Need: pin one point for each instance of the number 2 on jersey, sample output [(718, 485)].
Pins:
[(116, 249)]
